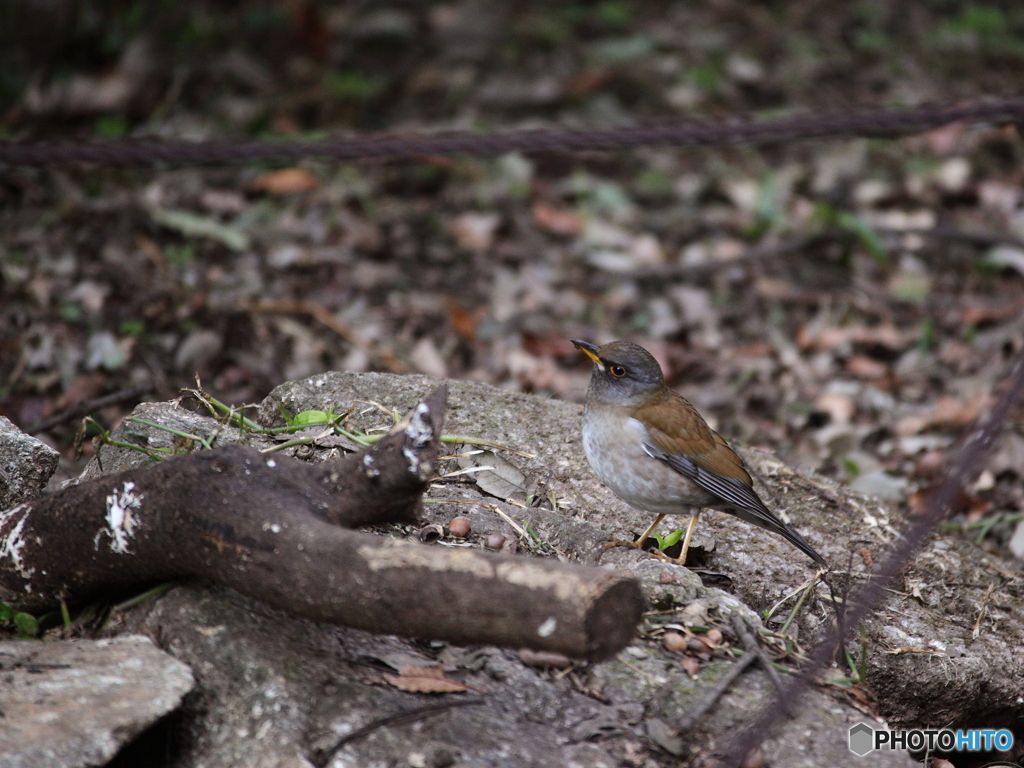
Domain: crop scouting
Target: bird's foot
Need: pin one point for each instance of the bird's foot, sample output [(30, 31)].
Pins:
[(656, 553), (612, 543)]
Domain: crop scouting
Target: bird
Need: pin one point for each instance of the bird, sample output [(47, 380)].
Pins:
[(654, 450)]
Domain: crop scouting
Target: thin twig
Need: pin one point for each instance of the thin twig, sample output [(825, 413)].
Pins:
[(83, 409), (800, 603), (405, 716), (306, 440), (520, 531), (981, 611), (784, 598), (711, 697), (746, 636), (467, 440)]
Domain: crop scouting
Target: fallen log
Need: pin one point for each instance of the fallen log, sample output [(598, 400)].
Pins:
[(277, 529)]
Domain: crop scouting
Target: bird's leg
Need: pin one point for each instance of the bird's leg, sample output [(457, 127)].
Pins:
[(639, 543), (650, 529), (689, 535)]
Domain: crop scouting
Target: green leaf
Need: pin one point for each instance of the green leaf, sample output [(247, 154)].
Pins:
[(311, 417), (6, 612), (851, 467), (288, 418), (866, 236), (26, 624), (354, 85), (111, 126), (928, 339), (669, 540)]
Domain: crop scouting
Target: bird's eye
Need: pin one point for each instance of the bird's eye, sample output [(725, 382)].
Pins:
[(617, 371)]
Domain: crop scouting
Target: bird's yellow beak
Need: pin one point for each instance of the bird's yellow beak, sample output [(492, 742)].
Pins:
[(588, 349)]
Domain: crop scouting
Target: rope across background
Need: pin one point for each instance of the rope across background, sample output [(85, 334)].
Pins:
[(874, 123)]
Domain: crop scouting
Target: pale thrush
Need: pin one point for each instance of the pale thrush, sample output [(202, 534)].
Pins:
[(651, 447)]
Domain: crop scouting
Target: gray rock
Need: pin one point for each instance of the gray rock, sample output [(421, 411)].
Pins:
[(76, 703), (111, 459), (25, 465), (284, 691)]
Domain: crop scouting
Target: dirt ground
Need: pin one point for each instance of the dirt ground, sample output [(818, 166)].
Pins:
[(850, 304)]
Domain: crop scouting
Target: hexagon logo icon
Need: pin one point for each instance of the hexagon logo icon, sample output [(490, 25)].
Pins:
[(862, 739)]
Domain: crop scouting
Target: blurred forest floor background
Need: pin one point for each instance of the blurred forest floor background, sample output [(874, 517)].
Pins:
[(849, 304)]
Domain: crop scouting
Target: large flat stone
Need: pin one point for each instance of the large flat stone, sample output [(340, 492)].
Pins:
[(76, 703)]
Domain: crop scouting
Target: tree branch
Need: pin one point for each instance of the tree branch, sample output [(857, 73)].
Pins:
[(270, 526)]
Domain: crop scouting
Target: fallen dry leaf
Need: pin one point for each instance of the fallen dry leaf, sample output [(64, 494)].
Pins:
[(947, 412), (462, 321), (957, 354), (752, 350), (774, 288), (884, 335), (503, 480), (557, 221), (862, 700), (962, 503), (690, 665), (414, 679), (536, 372), (943, 140), (474, 231), (222, 200), (864, 367), (589, 81), (978, 311), (839, 407), (284, 181)]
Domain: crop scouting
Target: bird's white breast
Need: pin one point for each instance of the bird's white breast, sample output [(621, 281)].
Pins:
[(614, 448)]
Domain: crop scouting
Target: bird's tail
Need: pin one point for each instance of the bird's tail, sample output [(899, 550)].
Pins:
[(763, 518)]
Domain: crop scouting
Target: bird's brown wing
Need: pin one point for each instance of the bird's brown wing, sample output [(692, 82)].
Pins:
[(689, 446), (676, 429)]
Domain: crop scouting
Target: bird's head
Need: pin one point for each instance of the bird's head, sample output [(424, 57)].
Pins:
[(624, 373)]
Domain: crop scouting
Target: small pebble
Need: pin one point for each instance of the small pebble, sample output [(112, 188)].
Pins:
[(753, 759), (673, 642), (494, 541), (459, 527), (714, 636), (690, 665)]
